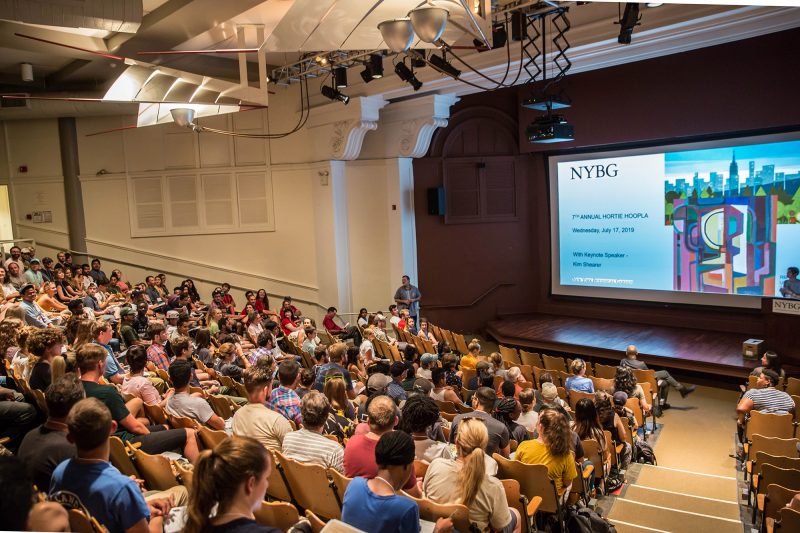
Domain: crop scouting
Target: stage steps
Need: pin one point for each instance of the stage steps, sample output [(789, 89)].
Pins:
[(676, 501)]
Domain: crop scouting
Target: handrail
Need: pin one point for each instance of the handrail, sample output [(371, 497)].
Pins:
[(473, 302), (177, 274)]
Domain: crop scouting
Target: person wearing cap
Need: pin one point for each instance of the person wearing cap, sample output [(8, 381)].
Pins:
[(374, 505), (550, 400), (359, 453), (619, 399), (483, 401), (34, 315), (395, 390), (171, 319), (376, 386), (127, 332), (34, 275), (426, 361)]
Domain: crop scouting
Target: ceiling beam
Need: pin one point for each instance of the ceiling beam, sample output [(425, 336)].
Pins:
[(60, 76)]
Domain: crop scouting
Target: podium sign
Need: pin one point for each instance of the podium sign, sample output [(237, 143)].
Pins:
[(786, 306)]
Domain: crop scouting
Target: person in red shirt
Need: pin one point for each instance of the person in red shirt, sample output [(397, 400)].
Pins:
[(227, 299), (344, 333), (359, 454)]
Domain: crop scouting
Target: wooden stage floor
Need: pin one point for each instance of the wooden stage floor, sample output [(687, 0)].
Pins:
[(659, 346)]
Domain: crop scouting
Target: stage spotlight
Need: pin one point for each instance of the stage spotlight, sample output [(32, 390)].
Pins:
[(334, 94), (340, 77), (441, 63), (629, 20), (405, 74), (418, 59), (373, 68)]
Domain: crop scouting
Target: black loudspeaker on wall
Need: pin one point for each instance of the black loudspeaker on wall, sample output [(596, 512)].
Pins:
[(436, 201)]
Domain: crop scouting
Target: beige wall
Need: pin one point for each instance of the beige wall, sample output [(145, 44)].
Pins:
[(320, 207)]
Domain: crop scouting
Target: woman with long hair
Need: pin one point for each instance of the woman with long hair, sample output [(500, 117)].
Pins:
[(212, 320), (9, 291), (529, 416), (611, 422), (552, 448), (204, 347), (83, 334), (231, 478), (452, 377), (64, 291), (355, 365), (464, 481), (23, 360), (262, 301), (625, 381), (587, 426), (9, 337), (45, 345), (769, 361), (340, 419), (363, 318)]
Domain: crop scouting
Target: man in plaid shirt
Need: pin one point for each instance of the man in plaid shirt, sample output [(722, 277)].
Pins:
[(284, 399), (156, 353)]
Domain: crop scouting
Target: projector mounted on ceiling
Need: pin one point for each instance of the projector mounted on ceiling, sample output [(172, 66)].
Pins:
[(550, 129)]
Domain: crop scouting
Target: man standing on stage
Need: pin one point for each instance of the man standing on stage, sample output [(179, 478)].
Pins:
[(408, 297), (791, 287)]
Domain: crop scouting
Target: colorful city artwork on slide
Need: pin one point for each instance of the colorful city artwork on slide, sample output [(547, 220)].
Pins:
[(725, 206)]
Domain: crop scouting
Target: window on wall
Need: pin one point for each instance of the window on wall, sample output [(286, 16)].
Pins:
[(199, 203), (480, 189)]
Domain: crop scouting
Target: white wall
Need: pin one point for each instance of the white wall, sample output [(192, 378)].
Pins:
[(321, 207)]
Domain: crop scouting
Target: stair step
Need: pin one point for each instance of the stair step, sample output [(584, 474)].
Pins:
[(672, 520), (690, 483), (684, 502)]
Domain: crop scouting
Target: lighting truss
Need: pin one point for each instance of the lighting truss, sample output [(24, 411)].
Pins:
[(309, 65), (535, 49)]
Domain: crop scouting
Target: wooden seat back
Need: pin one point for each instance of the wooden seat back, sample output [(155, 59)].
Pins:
[(777, 498), (155, 469), (773, 475), (603, 384), (638, 413), (311, 488), (466, 376), (773, 446), (282, 515), (533, 481), (531, 358), (446, 407), (317, 524), (278, 489), (461, 344), (184, 475), (646, 376), (80, 522), (220, 405), (605, 371), (793, 386), (155, 413), (41, 403), (591, 451), (211, 437), (769, 425), (575, 396), (432, 511), (510, 354), (789, 520), (120, 458), (554, 363)]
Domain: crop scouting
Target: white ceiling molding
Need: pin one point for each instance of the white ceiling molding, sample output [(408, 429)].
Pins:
[(408, 126), (339, 130)]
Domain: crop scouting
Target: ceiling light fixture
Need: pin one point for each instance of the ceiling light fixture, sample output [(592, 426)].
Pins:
[(405, 74), (321, 60), (429, 22), (655, 4), (340, 77), (398, 34), (334, 94), (373, 68), (441, 63), (26, 72)]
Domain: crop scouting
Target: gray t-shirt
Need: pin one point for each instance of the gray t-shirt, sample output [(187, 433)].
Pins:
[(189, 406), (498, 433)]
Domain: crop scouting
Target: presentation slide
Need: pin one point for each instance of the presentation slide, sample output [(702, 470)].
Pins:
[(713, 223)]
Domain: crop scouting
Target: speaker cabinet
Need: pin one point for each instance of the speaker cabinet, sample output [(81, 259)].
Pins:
[(436, 201)]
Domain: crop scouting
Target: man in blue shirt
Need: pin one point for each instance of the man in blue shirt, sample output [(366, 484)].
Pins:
[(373, 505), (114, 499), (103, 334), (34, 315), (336, 354)]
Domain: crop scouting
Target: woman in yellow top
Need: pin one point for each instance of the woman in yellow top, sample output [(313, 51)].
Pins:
[(470, 360), (552, 449)]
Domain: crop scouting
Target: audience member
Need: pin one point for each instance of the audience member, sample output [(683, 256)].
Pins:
[(440, 391), (464, 481), (46, 446), (765, 398), (373, 505), (184, 404), (769, 361), (625, 381), (156, 352), (528, 417), (508, 411), (115, 500), (342, 416), (359, 454), (284, 399), (231, 478), (255, 419), (16, 417), (337, 356), (45, 345), (306, 384), (470, 360), (16, 506), (418, 416), (664, 378), (102, 333), (612, 423), (483, 402), (552, 449), (578, 380), (155, 438), (587, 426), (395, 390), (307, 444), (136, 384)]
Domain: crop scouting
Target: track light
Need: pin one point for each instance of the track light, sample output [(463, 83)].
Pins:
[(440, 62), (373, 68), (183, 116), (334, 94), (629, 20), (340, 77), (406, 75)]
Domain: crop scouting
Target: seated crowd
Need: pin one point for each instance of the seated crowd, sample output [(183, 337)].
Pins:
[(150, 368)]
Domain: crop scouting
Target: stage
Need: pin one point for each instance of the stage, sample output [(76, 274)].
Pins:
[(659, 346)]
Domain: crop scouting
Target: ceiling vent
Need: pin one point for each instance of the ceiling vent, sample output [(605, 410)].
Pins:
[(8, 103), (109, 15)]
